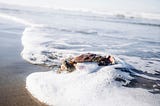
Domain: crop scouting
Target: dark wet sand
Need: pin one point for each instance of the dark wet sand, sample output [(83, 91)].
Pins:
[(14, 70)]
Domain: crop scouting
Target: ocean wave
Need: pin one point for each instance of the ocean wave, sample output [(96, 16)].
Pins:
[(58, 42), (119, 14), (16, 19), (93, 86), (147, 24), (133, 15), (148, 19), (135, 21), (53, 43)]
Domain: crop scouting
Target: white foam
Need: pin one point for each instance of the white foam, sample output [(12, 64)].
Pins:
[(145, 65), (37, 48), (16, 19), (41, 43), (89, 86)]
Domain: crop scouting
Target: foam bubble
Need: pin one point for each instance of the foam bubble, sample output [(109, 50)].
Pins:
[(90, 85)]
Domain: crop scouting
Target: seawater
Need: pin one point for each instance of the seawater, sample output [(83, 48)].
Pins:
[(51, 35)]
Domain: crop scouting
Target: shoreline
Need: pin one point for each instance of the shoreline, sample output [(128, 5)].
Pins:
[(13, 69)]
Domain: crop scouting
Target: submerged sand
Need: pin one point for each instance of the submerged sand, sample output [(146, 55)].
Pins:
[(14, 70)]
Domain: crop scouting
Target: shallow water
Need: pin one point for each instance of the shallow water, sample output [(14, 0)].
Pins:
[(13, 69)]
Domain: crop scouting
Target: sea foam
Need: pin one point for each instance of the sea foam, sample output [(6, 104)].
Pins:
[(90, 85)]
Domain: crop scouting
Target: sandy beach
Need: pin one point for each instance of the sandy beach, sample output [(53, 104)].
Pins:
[(14, 70)]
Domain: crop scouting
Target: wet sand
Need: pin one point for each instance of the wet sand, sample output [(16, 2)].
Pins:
[(14, 70)]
